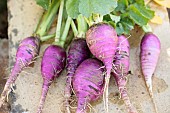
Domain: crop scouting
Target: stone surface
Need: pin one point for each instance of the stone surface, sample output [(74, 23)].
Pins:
[(3, 69), (23, 16)]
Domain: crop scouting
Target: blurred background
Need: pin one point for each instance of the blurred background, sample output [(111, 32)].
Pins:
[(4, 47), (3, 19)]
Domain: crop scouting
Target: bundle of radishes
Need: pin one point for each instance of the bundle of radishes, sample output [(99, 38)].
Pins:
[(29, 48), (101, 34)]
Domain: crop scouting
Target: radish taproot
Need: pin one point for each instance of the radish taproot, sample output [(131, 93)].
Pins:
[(77, 53), (149, 54), (120, 70), (26, 52), (150, 51), (54, 57), (88, 83), (102, 41), (53, 62)]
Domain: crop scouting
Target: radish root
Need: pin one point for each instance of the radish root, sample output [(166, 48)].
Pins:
[(149, 86)]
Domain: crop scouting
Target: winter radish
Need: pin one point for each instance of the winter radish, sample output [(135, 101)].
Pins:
[(102, 41), (54, 58), (150, 50), (53, 62), (88, 83), (149, 54), (77, 53), (27, 51), (29, 48), (121, 68), (102, 38)]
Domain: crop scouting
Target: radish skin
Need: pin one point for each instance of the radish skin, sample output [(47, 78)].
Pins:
[(26, 52), (77, 53), (88, 83), (53, 62), (122, 62), (102, 41), (149, 53)]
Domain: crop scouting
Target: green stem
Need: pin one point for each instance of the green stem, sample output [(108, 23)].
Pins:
[(73, 26), (82, 26), (60, 15), (44, 38), (37, 26), (147, 28), (97, 18), (48, 18), (89, 20), (101, 18), (94, 19), (65, 32), (63, 25), (70, 37)]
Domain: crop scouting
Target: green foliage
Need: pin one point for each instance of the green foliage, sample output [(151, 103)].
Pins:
[(44, 3), (89, 7), (72, 8), (131, 12), (121, 14)]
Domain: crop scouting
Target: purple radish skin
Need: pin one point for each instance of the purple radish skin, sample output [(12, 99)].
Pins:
[(77, 53), (26, 53), (121, 63), (53, 62), (88, 83), (150, 51), (102, 41)]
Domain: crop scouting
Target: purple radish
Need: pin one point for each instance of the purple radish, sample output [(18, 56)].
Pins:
[(26, 52), (53, 62), (150, 50), (88, 83), (77, 53), (102, 42), (121, 68)]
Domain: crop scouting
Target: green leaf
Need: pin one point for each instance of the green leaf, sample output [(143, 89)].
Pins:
[(124, 26), (140, 14), (147, 28), (119, 29), (107, 18), (102, 7), (131, 12), (141, 2), (112, 24), (115, 18), (128, 23), (43, 3), (132, 1), (146, 12), (122, 5), (136, 16), (72, 7)]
